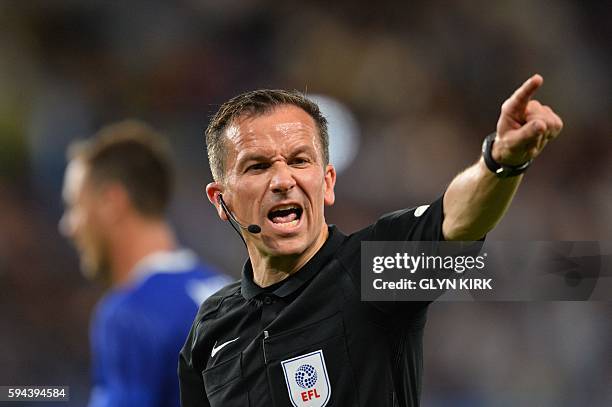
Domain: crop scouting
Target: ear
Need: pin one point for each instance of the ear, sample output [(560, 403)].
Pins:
[(330, 181), (213, 190)]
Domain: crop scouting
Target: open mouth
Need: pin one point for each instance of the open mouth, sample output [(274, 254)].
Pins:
[(286, 215)]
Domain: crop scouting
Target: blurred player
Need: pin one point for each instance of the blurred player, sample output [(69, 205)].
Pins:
[(116, 190)]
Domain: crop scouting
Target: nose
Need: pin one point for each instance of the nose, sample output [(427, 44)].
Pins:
[(282, 179)]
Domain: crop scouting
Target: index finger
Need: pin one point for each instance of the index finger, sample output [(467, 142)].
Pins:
[(520, 97)]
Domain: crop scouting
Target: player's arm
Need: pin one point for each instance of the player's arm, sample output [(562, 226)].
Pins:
[(477, 199)]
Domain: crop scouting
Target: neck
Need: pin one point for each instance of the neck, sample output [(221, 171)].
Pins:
[(269, 270), (134, 239)]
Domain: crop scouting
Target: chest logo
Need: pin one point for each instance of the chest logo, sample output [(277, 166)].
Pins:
[(307, 380), (216, 348)]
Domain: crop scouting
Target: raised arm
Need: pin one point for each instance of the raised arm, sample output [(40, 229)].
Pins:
[(478, 198)]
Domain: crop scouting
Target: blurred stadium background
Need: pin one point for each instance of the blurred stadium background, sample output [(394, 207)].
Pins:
[(419, 84)]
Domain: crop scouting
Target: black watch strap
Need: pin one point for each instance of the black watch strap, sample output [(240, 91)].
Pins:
[(500, 170)]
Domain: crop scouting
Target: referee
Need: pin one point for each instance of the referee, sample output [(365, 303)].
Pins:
[(293, 331)]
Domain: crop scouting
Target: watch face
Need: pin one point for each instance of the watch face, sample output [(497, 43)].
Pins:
[(506, 172), (503, 173)]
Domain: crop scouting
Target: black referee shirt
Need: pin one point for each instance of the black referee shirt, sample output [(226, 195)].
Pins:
[(309, 340)]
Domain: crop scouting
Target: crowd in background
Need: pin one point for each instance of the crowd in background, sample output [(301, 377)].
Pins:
[(425, 81)]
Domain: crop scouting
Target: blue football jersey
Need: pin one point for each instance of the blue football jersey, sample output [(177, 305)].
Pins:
[(138, 330)]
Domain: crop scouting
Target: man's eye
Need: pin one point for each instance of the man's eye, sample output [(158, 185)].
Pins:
[(299, 161), (258, 166)]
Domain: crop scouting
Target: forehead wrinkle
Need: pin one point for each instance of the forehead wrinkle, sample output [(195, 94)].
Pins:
[(293, 144), (259, 134), (289, 127), (252, 136)]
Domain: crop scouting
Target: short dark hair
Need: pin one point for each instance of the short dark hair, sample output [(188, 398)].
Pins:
[(253, 103), (134, 154)]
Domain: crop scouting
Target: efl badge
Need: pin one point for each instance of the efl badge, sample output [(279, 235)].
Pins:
[(307, 380)]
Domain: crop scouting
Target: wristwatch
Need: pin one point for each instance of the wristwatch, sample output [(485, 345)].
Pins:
[(500, 170)]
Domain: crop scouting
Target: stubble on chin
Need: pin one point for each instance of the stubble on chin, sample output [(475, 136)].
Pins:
[(96, 267)]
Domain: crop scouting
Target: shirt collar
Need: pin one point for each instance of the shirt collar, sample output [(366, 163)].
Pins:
[(175, 261), (297, 279)]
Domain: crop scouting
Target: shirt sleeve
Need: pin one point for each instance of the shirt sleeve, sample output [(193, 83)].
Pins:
[(422, 223), (127, 360), (190, 378)]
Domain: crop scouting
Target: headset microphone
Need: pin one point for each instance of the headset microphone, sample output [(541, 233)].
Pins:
[(253, 229)]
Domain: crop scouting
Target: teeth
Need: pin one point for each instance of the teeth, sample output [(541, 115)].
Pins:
[(285, 207), (288, 224)]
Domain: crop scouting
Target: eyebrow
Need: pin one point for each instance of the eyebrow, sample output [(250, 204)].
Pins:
[(252, 157), (259, 157), (303, 149)]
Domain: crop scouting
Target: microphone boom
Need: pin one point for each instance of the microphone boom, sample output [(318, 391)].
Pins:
[(253, 229)]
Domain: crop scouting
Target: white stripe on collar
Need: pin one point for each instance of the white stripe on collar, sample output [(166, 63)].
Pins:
[(176, 261)]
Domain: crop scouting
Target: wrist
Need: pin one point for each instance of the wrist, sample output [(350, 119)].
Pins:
[(491, 154), (496, 151)]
